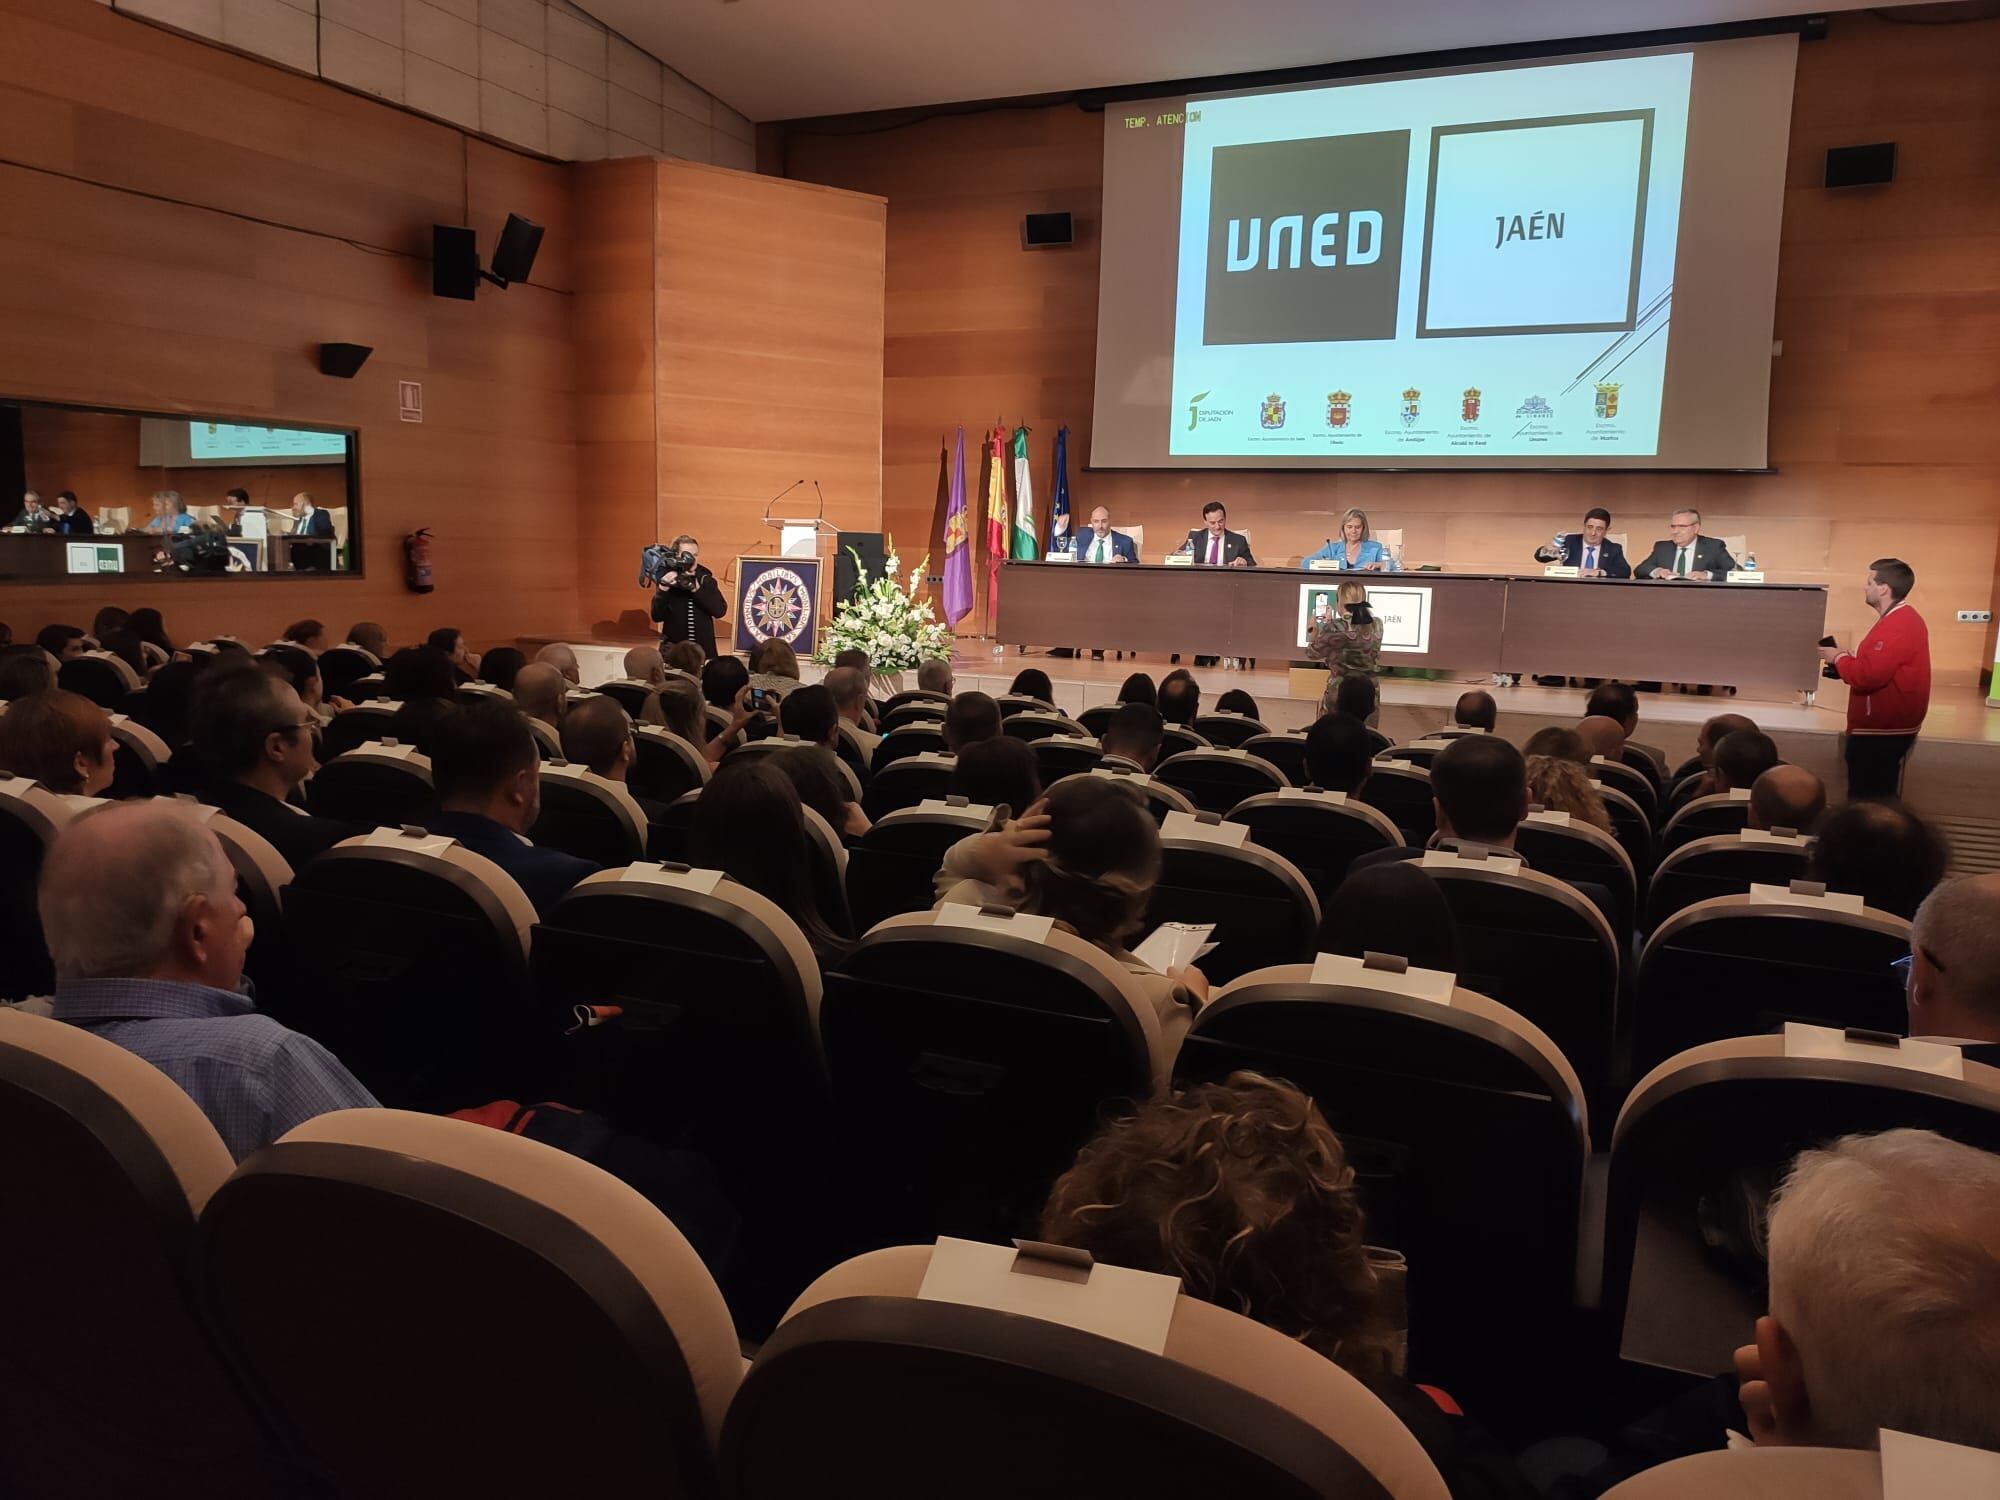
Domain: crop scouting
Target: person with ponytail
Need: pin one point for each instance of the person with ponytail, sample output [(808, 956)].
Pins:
[(1088, 855)]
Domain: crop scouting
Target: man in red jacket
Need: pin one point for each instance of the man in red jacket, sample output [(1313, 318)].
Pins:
[(1889, 682)]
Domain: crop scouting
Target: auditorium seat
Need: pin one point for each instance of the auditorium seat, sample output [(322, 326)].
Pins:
[(632, 694), (354, 727), (828, 852), (1285, 751), (1617, 774), (548, 740), (1228, 731), (919, 737), (922, 712), (114, 1383), (667, 835), (380, 784), (664, 766), (1216, 780), (1319, 832), (340, 666), (1097, 718), (1741, 965), (935, 703), (1160, 799), (440, 1368), (892, 868), (1725, 865), (1570, 849), (139, 769), (104, 679), (1034, 725), (1632, 828), (1377, 740), (1544, 951), (1649, 761), (261, 877), (971, 1053), (870, 1388), (1262, 906), (1403, 792), (907, 780), (1176, 738), (1760, 1474), (30, 818), (362, 689), (1059, 755), (1706, 817), (418, 971), (481, 692), (1020, 703), (716, 721), (1702, 1140), (1416, 753), (1455, 732), (1458, 1118), (716, 986), (590, 816)]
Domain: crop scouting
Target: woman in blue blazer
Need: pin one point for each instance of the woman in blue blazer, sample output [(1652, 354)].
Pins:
[(1356, 549)]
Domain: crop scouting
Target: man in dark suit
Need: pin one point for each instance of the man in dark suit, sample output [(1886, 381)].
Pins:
[(1479, 787), (253, 737), (1100, 544), (1589, 551), (71, 519), (309, 520), (1213, 545), (686, 608), (597, 733), (1687, 554), (489, 786)]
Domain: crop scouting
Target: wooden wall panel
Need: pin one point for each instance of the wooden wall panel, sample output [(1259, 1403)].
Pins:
[(115, 298), (1882, 427)]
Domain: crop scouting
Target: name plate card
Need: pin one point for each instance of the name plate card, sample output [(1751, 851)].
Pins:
[(1034, 929), (1419, 984), (1133, 1307), (1180, 825), (1826, 1044)]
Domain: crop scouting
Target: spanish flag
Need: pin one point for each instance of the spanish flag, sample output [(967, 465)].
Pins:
[(997, 529)]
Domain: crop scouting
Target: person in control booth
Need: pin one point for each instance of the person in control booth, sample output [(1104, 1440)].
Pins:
[(688, 602)]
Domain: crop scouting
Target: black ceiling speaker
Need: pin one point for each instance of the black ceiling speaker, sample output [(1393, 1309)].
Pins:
[(343, 360), (514, 256), (1046, 231), (454, 262), (1861, 166)]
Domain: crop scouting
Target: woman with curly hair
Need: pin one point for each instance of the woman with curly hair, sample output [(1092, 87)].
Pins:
[(1560, 784)]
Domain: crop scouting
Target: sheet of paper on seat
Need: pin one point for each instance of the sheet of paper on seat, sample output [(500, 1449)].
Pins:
[(1418, 984), (701, 882), (1438, 745), (1312, 794), (1180, 825), (1445, 859), (1175, 945), (1765, 836), (1133, 1307), (1739, 794), (1778, 895), (1826, 1043), (980, 810), (1034, 929), (395, 838), (1551, 817), (1921, 1468)]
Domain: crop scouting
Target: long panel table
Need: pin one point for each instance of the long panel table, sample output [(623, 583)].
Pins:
[(1743, 635)]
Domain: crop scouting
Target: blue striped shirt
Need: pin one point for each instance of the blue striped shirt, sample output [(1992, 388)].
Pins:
[(253, 1078)]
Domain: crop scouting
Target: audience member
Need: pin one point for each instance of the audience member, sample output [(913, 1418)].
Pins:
[(815, 776), (1236, 701), (849, 687), (645, 664), (1394, 909), (563, 659), (63, 642), (686, 656), (140, 909), (1881, 852), (415, 722), (1241, 1192), (853, 657), (1338, 754), (149, 628), (934, 676), (1357, 697), (1885, 1297), (1033, 683), (107, 622), (311, 634), (999, 772), (449, 643), (1617, 701), (1740, 758), (1180, 698), (164, 706), (968, 719), (682, 711), (252, 735), (1787, 797), (300, 668), (370, 637), (540, 693), (723, 679), (488, 778), (1087, 854), (1558, 784), (1714, 731), (60, 739), (1135, 734), (1603, 736), (748, 824), (1476, 710), (501, 666), (776, 658), (418, 672), (1560, 743), (597, 735), (808, 713), (25, 670), (1139, 688), (1954, 967)]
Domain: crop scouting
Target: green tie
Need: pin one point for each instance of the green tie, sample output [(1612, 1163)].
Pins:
[(1681, 562), (1100, 551)]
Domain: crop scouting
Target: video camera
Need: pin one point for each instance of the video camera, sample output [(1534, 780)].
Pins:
[(198, 551), (658, 560)]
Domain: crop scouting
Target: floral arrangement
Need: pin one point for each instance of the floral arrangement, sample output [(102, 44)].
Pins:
[(885, 618)]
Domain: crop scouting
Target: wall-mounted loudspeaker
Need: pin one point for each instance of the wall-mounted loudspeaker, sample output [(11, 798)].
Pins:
[(1861, 166), (514, 256), (343, 360), (454, 262), (1045, 231)]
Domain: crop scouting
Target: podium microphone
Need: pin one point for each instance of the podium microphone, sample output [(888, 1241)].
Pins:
[(779, 496), (822, 499)]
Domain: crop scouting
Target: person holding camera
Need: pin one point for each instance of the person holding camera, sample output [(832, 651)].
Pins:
[(688, 601)]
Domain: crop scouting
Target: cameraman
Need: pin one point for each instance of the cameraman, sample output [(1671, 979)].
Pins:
[(688, 601)]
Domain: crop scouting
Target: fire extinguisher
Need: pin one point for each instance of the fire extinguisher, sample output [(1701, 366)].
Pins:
[(417, 561)]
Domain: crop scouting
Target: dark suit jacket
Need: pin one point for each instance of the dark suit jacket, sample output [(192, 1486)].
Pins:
[(1597, 895), (319, 523), (76, 523), (544, 875), (1610, 556), (1121, 546), (1233, 547), (298, 837), (1710, 557), (690, 614)]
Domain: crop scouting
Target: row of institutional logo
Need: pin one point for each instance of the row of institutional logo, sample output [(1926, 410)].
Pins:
[(1471, 404)]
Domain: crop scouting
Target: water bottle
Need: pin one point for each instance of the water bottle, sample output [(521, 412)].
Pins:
[(1749, 561)]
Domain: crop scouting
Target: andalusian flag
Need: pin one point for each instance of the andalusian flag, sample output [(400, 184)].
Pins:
[(957, 542), (1027, 544), (996, 512)]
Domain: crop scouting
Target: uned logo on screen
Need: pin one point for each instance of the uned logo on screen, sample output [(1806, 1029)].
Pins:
[(1305, 239)]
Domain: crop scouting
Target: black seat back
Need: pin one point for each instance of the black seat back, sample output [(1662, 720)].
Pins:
[(1263, 908), (1726, 865), (1285, 751), (585, 816), (923, 737), (340, 667), (906, 782), (1320, 835), (1573, 850), (664, 766), (1059, 755), (1227, 730), (376, 785), (352, 728), (892, 868), (1216, 780), (1160, 799), (1706, 818), (1403, 792), (1037, 724), (667, 835)]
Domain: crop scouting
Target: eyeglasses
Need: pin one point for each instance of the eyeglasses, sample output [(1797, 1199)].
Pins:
[(1902, 965)]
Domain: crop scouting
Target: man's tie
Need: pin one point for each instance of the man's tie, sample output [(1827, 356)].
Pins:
[(1100, 551), (1589, 557), (1681, 563), (1215, 552)]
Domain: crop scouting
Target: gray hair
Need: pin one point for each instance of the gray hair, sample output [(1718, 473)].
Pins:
[(1885, 1272), (1685, 510), (116, 883), (643, 661), (1959, 922), (934, 676), (169, 497)]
